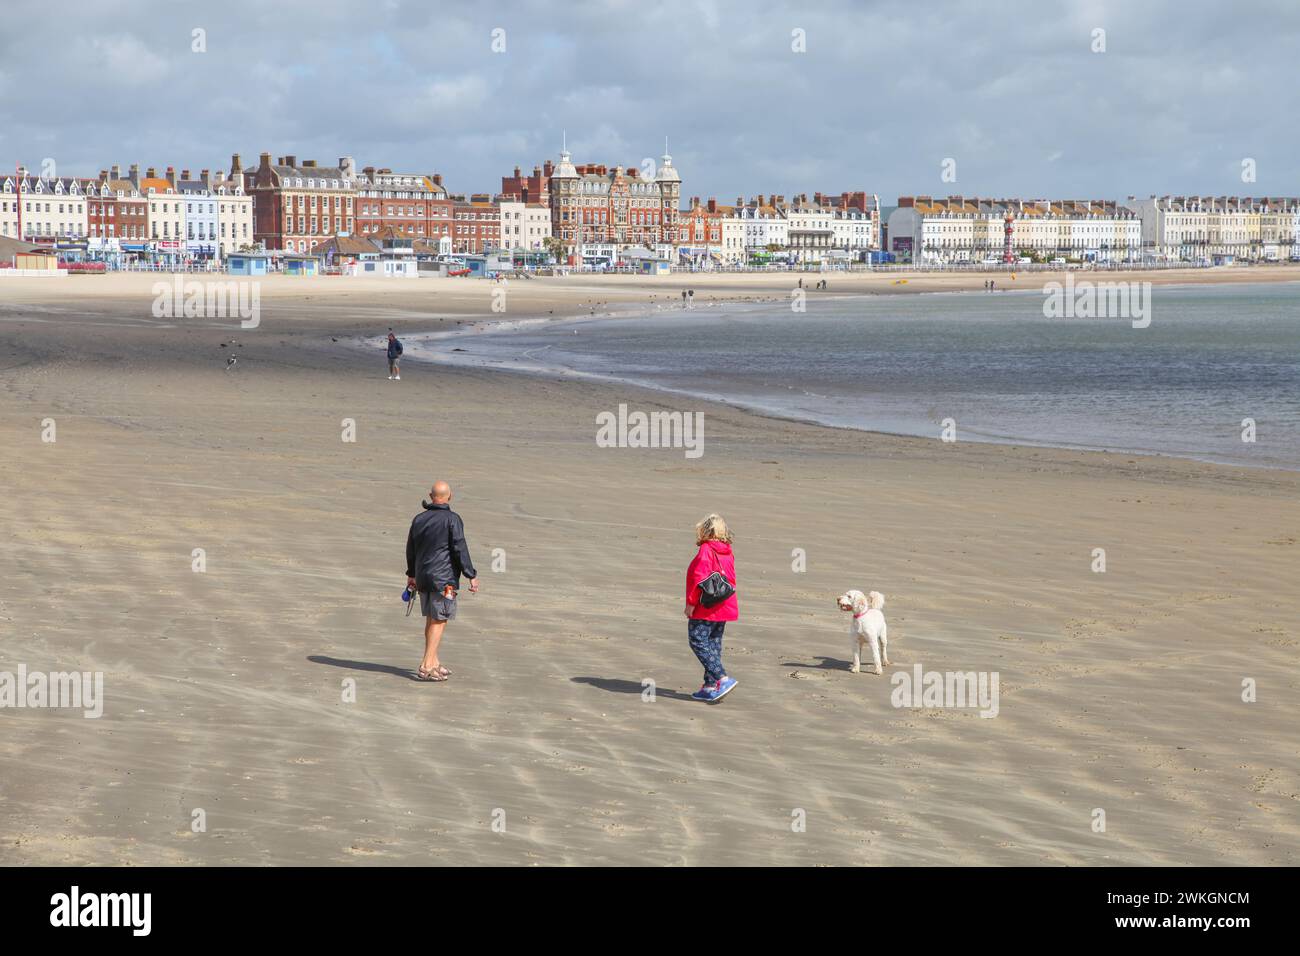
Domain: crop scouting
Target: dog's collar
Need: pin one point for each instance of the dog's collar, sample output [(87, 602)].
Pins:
[(862, 615)]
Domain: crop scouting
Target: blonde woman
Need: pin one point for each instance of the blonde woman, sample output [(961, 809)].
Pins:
[(711, 603)]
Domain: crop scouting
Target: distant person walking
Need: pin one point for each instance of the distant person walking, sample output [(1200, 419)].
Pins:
[(436, 557), (711, 603), (394, 358)]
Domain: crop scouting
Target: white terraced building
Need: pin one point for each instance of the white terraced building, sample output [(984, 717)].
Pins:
[(765, 222), (53, 208), (959, 229), (1192, 228)]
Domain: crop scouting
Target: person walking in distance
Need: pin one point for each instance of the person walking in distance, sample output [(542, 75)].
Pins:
[(436, 558), (711, 603), (394, 358)]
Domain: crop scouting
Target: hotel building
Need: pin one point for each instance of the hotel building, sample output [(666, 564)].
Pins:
[(596, 210)]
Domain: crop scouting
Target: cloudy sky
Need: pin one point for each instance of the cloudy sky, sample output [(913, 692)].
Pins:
[(880, 96)]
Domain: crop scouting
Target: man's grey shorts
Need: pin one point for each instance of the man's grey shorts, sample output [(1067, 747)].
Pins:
[(437, 607)]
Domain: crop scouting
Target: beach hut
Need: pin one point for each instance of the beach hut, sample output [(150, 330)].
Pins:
[(248, 263), (300, 265)]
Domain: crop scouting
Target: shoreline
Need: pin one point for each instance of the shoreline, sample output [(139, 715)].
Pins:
[(437, 352)]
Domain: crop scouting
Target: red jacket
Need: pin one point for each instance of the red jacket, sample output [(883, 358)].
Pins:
[(712, 556)]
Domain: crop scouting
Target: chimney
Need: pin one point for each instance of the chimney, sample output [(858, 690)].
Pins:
[(151, 173), (171, 176), (548, 168), (290, 161), (516, 172), (308, 164), (103, 175), (205, 176), (740, 201), (265, 160), (370, 172), (185, 175), (236, 167), (135, 173), (116, 171), (348, 167), (537, 171), (437, 179), (713, 205)]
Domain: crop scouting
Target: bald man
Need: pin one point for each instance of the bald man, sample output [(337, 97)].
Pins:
[(436, 558)]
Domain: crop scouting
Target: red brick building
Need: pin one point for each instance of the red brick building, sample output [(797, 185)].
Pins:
[(476, 225), (614, 208), (297, 206), (119, 210), (701, 224), (534, 189), (412, 205)]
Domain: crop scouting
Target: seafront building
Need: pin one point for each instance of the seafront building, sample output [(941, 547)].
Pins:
[(525, 226), (414, 205), (596, 215), (700, 230), (767, 231), (1196, 228), (959, 229), (296, 206), (476, 227), (811, 231), (597, 211), (53, 208), (200, 217), (235, 224), (856, 221)]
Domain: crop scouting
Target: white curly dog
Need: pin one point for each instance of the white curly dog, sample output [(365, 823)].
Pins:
[(868, 626)]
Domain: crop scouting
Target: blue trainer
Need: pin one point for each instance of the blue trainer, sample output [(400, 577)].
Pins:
[(705, 692), (722, 690)]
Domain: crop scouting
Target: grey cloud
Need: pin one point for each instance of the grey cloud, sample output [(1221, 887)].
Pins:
[(885, 92)]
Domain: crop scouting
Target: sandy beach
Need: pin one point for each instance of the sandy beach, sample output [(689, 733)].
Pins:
[(272, 692)]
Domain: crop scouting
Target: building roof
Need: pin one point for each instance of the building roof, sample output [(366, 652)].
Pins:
[(12, 247), (976, 207), (347, 246), (565, 169), (667, 173)]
